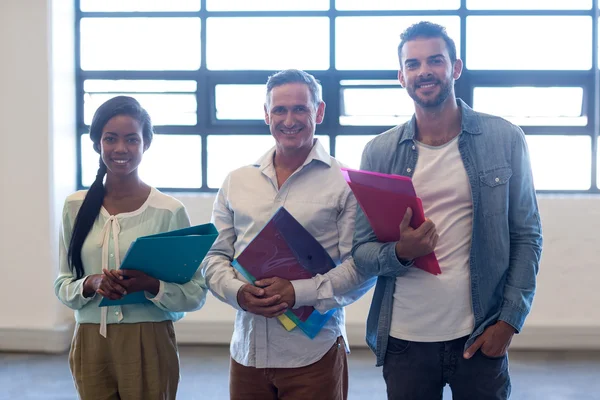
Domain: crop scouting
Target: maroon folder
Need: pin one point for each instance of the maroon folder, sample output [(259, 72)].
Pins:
[(384, 199)]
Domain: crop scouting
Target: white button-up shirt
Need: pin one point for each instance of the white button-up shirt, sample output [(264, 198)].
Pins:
[(317, 195)]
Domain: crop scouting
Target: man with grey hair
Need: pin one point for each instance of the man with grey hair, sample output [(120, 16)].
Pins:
[(268, 362)]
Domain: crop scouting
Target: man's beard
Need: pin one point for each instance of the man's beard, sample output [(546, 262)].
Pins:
[(445, 90)]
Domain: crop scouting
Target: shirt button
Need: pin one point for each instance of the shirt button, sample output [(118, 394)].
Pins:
[(408, 169), (112, 255), (116, 313), (414, 147), (497, 179)]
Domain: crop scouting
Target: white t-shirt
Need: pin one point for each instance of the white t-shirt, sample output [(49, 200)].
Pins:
[(430, 308)]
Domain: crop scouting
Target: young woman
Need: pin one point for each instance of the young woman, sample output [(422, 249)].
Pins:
[(124, 352)]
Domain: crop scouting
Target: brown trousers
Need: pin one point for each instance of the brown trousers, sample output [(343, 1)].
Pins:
[(134, 362), (327, 379)]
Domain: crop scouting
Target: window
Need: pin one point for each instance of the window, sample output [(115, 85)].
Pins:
[(529, 4), (541, 106), (240, 102), (168, 102), (172, 161), (397, 5), (199, 67), (139, 5), (266, 5), (531, 43), (370, 43), (549, 174), (226, 153), (261, 44), (349, 149), (140, 44), (374, 103)]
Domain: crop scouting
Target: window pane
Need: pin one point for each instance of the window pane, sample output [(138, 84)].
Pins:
[(140, 86), (348, 149), (530, 43), (140, 44), (397, 5), (266, 5), (529, 4), (265, 43), (229, 152), (552, 106), (240, 102), (375, 106), (164, 109), (172, 161), (572, 151), (139, 5), (166, 101), (226, 153), (371, 43), (245, 102)]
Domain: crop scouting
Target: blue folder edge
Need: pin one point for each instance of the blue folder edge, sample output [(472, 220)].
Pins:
[(313, 324), (208, 231)]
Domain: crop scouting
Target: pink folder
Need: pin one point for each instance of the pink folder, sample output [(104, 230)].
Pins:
[(384, 199), (391, 183)]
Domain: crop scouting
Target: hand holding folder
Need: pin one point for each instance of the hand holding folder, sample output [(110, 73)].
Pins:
[(384, 199), (285, 249), (169, 256)]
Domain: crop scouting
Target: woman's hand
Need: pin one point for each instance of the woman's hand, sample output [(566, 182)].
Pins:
[(134, 281), (104, 285)]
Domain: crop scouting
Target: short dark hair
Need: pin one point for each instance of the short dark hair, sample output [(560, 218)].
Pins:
[(295, 76), (426, 29)]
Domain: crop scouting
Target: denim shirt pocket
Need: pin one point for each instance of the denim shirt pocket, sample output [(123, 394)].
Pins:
[(494, 191)]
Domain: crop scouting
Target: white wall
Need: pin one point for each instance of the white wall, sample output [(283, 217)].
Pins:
[(37, 114), (37, 171)]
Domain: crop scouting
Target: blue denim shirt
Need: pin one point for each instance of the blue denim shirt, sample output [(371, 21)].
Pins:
[(507, 236)]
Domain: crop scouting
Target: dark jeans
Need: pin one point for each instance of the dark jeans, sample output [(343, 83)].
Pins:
[(419, 371)]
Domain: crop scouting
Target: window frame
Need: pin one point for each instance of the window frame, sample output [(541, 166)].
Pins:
[(206, 80)]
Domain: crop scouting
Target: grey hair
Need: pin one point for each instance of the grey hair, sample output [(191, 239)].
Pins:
[(295, 76)]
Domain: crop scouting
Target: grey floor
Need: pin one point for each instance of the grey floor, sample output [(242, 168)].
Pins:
[(535, 375)]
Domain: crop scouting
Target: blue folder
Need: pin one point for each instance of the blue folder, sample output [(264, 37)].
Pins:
[(169, 256)]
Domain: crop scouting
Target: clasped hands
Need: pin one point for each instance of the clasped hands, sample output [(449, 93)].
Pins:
[(269, 297), (114, 284)]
